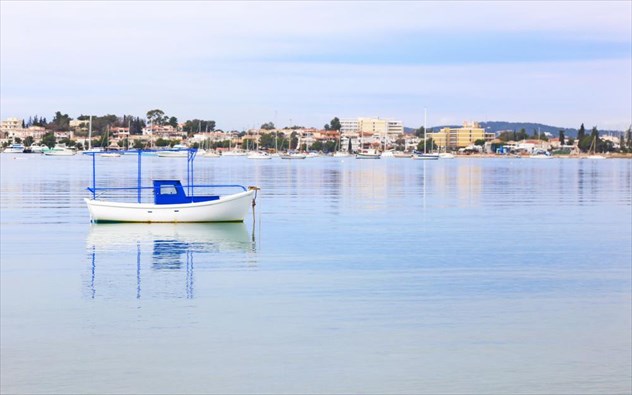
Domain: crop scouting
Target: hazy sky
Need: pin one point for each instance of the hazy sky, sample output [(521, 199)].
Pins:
[(304, 62)]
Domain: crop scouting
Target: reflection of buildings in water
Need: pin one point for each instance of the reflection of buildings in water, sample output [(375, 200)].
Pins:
[(454, 183), (114, 248)]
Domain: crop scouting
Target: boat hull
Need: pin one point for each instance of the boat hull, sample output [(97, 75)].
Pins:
[(60, 153), (230, 208), (426, 157)]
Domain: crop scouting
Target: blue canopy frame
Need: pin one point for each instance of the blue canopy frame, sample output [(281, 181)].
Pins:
[(191, 153)]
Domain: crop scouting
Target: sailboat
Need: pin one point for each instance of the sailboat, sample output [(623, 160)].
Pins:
[(289, 154), (110, 153), (592, 150), (90, 148), (425, 155), (370, 153)]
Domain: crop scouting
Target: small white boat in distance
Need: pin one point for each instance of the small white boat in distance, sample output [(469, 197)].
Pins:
[(259, 155), (110, 154), (60, 150), (234, 152), (14, 149), (402, 155), (425, 156), (368, 154), (39, 148), (341, 154), (292, 155), (178, 151), (446, 155)]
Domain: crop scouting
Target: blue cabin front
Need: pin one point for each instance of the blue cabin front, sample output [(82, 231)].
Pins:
[(172, 192)]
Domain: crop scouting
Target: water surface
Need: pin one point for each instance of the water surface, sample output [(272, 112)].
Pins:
[(383, 276)]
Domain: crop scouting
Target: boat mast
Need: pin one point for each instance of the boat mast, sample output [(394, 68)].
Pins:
[(90, 134), (425, 136)]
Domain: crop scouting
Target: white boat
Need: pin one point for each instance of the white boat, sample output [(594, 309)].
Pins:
[(292, 155), (341, 154), (259, 155), (178, 151), (93, 149), (229, 208), (592, 151), (446, 155), (402, 155), (15, 149), (388, 154), (170, 201), (368, 154), (39, 148), (425, 156), (234, 152), (60, 150), (110, 154), (541, 156)]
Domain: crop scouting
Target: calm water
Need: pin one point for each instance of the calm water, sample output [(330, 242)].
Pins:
[(389, 276)]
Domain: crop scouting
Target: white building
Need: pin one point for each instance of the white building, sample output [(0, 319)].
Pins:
[(388, 129)]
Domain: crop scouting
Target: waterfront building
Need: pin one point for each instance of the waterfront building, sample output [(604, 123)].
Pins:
[(388, 129), (11, 129), (455, 138)]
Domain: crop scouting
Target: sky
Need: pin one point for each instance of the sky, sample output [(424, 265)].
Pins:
[(245, 63)]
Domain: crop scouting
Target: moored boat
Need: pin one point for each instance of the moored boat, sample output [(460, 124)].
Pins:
[(60, 150), (368, 154), (178, 151), (259, 155), (425, 156), (292, 155), (15, 148), (170, 201)]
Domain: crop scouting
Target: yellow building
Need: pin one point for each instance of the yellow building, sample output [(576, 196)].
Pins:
[(455, 138)]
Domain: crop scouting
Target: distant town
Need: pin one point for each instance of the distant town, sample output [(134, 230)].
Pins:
[(159, 131)]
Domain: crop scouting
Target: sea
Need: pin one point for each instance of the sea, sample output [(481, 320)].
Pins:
[(389, 276)]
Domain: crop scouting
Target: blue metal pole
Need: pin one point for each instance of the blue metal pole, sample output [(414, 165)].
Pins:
[(139, 180)]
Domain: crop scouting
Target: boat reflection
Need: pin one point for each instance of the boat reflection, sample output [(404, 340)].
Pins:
[(157, 249)]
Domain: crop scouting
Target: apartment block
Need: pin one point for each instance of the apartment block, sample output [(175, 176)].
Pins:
[(454, 138), (387, 128)]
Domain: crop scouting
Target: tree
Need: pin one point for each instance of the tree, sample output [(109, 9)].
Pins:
[(430, 145), (562, 137), (421, 132), (628, 138), (155, 116), (61, 122), (268, 126), (162, 142), (480, 142), (49, 140), (266, 140), (173, 121), (28, 141), (581, 133), (335, 124)]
